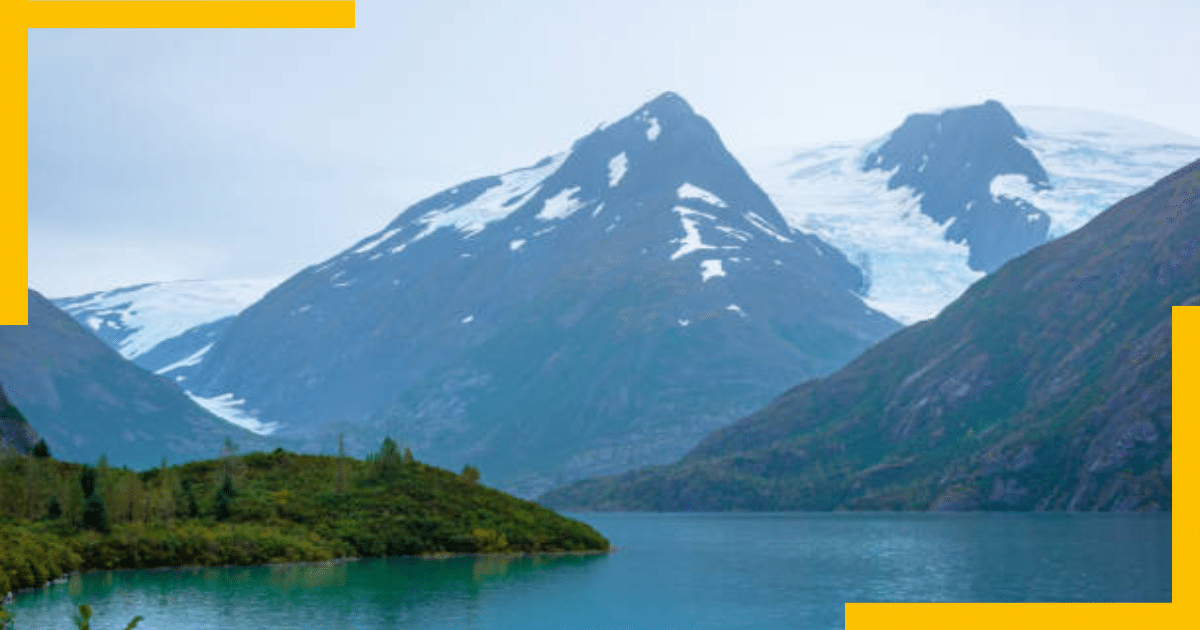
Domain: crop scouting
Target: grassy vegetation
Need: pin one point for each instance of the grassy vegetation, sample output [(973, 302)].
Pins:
[(257, 509)]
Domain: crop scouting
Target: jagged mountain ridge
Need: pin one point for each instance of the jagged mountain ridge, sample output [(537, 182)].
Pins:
[(486, 311), (1046, 386)]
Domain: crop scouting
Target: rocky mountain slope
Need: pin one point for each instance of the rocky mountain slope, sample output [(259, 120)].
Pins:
[(1047, 386), (599, 310), (15, 432)]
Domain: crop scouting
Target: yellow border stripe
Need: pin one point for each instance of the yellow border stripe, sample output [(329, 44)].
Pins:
[(14, 173), (190, 14), (1185, 459), (1183, 612), (18, 16)]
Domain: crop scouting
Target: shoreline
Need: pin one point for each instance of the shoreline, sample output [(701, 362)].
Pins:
[(11, 596)]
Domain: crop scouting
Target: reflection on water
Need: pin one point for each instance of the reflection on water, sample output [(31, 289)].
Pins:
[(693, 571)]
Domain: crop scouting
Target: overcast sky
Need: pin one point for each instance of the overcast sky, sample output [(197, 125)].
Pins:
[(179, 154)]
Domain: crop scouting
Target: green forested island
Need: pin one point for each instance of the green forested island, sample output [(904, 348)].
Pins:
[(259, 508)]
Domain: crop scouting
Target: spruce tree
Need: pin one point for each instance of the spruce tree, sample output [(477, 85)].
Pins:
[(222, 506), (191, 508), (95, 514), (41, 450)]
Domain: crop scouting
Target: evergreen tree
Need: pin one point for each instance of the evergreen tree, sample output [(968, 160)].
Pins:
[(388, 460), (191, 508), (341, 465), (87, 481), (222, 506), (95, 514), (54, 512), (41, 450), (470, 474)]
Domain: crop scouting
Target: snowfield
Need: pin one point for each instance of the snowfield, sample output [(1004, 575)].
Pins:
[(1093, 160)]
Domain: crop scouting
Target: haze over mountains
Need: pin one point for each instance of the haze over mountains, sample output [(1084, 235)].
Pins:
[(1046, 386), (609, 306)]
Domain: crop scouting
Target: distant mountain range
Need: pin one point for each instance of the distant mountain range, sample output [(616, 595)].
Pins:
[(1046, 386), (86, 400)]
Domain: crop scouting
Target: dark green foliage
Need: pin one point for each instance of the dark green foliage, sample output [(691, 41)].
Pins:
[(41, 450), (470, 474), (222, 505), (191, 508), (87, 480), (95, 514), (387, 462), (54, 511), (286, 510)]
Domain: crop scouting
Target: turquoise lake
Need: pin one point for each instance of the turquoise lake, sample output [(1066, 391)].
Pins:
[(672, 572)]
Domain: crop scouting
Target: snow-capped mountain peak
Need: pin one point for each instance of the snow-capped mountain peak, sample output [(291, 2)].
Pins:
[(912, 207), (489, 308)]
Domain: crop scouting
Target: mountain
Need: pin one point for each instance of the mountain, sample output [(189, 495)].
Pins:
[(165, 327), (599, 310), (928, 208), (1046, 386), (950, 160), (15, 431), (86, 400)]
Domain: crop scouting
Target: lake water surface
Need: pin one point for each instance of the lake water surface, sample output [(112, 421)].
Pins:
[(673, 572)]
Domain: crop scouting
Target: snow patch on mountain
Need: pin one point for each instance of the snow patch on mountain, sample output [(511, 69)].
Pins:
[(652, 129), (912, 271), (616, 169), (1014, 186), (691, 191), (148, 314), (561, 205), (1096, 159), (228, 408), (496, 203), (691, 241), (374, 241), (711, 269), (187, 361), (766, 227)]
